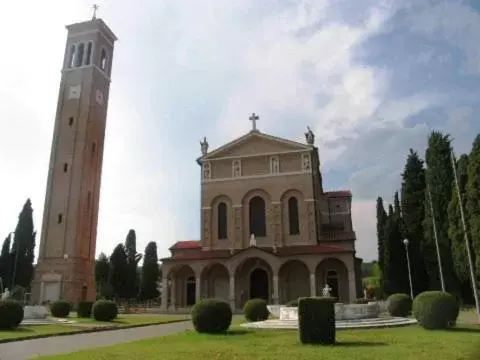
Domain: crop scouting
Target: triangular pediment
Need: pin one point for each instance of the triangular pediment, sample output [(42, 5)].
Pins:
[(255, 143)]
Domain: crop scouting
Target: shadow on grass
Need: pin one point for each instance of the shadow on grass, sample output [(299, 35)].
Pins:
[(235, 332), (359, 343), (464, 329)]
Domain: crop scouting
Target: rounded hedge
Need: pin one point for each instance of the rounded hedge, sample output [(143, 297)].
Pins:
[(11, 314), (211, 316), (105, 310), (399, 305), (256, 310), (436, 310), (84, 309), (60, 308)]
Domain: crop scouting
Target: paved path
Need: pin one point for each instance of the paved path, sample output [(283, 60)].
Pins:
[(27, 349)]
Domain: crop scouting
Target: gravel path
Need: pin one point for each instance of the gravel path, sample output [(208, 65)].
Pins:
[(22, 350)]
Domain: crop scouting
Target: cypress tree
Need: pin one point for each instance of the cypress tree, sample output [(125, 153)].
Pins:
[(381, 221), (473, 202), (23, 247), (132, 261), (439, 178), (413, 212), (150, 273), (119, 272), (102, 273), (6, 263)]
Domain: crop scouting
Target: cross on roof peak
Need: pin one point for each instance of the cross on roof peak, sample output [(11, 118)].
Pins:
[(254, 118)]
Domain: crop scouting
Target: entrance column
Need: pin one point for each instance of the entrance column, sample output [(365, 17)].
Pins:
[(231, 296), (164, 296), (275, 289), (352, 286), (173, 289), (313, 285), (197, 289)]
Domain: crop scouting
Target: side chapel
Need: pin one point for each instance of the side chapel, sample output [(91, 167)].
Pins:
[(268, 228)]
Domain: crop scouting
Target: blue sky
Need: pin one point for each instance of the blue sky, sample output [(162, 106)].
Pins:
[(371, 77)]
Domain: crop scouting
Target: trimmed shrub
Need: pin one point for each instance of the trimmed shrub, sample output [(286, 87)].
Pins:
[(436, 310), (60, 308), (256, 310), (84, 309), (316, 320), (399, 305), (211, 316), (11, 314), (105, 310)]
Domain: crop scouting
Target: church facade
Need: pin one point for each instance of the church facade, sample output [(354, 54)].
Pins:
[(268, 228)]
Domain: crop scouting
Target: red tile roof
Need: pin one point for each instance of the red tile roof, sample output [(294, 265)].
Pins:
[(188, 244), (281, 251), (339, 193)]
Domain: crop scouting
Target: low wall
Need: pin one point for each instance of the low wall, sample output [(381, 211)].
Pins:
[(34, 312), (342, 311)]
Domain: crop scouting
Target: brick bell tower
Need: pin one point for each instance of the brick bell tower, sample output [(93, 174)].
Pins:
[(66, 261)]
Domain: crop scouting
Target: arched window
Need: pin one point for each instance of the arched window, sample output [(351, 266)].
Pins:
[(71, 59), (258, 225), (88, 56), (222, 221), (103, 60), (293, 218), (79, 57)]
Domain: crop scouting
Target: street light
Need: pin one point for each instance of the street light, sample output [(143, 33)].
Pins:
[(405, 242)]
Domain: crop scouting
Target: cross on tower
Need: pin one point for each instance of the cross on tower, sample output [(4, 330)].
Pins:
[(253, 118), (95, 8)]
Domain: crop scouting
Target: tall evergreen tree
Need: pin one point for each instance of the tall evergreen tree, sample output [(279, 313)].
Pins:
[(396, 274), (413, 212), (132, 260), (119, 272), (150, 273), (102, 273), (6, 263), (473, 201), (381, 221), (439, 179), (23, 248)]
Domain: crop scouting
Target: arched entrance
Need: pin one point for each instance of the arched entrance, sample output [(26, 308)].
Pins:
[(334, 273), (259, 288), (331, 279), (294, 281), (216, 282), (191, 291)]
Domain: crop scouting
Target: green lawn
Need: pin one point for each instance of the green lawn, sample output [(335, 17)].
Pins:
[(406, 343), (81, 324), (397, 343)]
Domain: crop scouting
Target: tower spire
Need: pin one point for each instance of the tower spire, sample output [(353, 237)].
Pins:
[(95, 8)]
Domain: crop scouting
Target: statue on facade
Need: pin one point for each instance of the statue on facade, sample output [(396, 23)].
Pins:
[(253, 241), (204, 146), (309, 136), (6, 294), (326, 291)]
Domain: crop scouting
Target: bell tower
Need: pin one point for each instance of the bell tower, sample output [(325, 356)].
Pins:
[(66, 261)]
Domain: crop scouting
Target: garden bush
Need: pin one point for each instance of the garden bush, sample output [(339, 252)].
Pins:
[(60, 308), (399, 305), (361, 301), (436, 310), (105, 310), (316, 320), (11, 314), (211, 316), (256, 310), (84, 309)]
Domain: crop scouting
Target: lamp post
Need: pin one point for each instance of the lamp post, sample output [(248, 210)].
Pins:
[(405, 242)]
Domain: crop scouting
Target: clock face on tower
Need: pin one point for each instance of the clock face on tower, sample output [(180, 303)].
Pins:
[(99, 97)]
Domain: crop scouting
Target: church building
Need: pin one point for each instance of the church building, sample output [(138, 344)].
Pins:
[(268, 228)]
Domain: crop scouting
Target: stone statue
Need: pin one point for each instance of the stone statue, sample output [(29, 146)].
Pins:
[(309, 136), (326, 291), (253, 241), (6, 294), (204, 146)]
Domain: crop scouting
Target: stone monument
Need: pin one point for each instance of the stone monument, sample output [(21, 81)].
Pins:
[(326, 291)]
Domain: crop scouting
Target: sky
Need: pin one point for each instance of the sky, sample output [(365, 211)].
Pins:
[(372, 78)]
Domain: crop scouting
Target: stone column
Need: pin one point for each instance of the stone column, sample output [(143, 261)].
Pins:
[(198, 289), (275, 289), (237, 220), (173, 300), (231, 296), (352, 286), (313, 285), (164, 298)]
